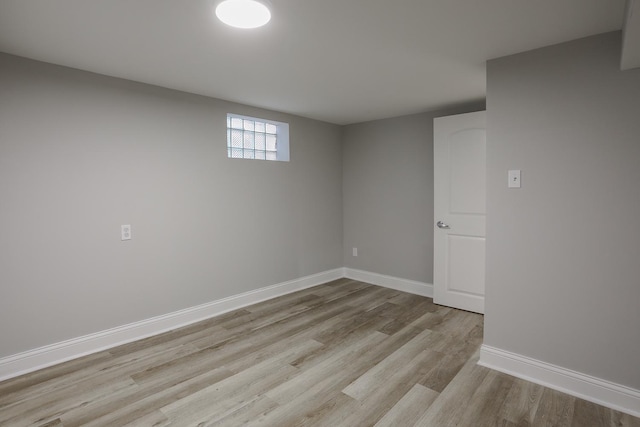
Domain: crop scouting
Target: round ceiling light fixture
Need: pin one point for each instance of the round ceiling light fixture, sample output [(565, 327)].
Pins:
[(244, 13)]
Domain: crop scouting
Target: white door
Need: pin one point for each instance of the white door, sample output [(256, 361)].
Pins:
[(459, 209)]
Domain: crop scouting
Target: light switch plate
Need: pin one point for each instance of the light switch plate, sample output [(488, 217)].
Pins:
[(514, 179)]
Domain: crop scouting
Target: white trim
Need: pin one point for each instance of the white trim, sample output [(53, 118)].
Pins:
[(405, 285), (612, 395), (32, 360)]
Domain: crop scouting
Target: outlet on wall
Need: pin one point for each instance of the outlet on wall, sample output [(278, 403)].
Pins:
[(125, 232), (355, 251)]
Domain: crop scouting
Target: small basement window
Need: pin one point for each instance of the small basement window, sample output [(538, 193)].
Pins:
[(260, 139)]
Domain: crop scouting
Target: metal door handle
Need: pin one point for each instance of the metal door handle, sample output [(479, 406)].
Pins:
[(442, 225)]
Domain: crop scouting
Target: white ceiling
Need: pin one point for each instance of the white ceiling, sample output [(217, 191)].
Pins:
[(341, 61)]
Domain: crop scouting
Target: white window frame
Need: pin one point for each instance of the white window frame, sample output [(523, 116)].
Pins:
[(282, 138)]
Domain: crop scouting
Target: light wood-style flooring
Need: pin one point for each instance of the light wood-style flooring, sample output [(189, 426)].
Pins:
[(341, 354)]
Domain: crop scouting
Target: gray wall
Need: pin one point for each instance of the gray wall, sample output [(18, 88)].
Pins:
[(563, 252), (81, 154), (388, 194)]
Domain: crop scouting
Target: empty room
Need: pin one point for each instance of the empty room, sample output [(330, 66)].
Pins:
[(330, 213)]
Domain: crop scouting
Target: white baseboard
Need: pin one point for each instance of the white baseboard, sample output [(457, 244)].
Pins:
[(32, 360), (596, 390), (593, 389), (410, 286)]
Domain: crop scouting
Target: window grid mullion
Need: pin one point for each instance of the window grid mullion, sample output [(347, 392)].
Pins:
[(249, 127)]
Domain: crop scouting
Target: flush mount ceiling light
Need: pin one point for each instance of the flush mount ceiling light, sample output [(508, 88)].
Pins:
[(244, 13)]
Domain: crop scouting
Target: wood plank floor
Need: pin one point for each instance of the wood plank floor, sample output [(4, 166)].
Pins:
[(341, 354)]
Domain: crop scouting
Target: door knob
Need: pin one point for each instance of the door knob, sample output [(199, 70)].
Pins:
[(442, 225)]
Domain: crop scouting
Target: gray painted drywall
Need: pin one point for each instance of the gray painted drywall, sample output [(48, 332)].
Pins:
[(81, 154), (563, 252), (388, 194)]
